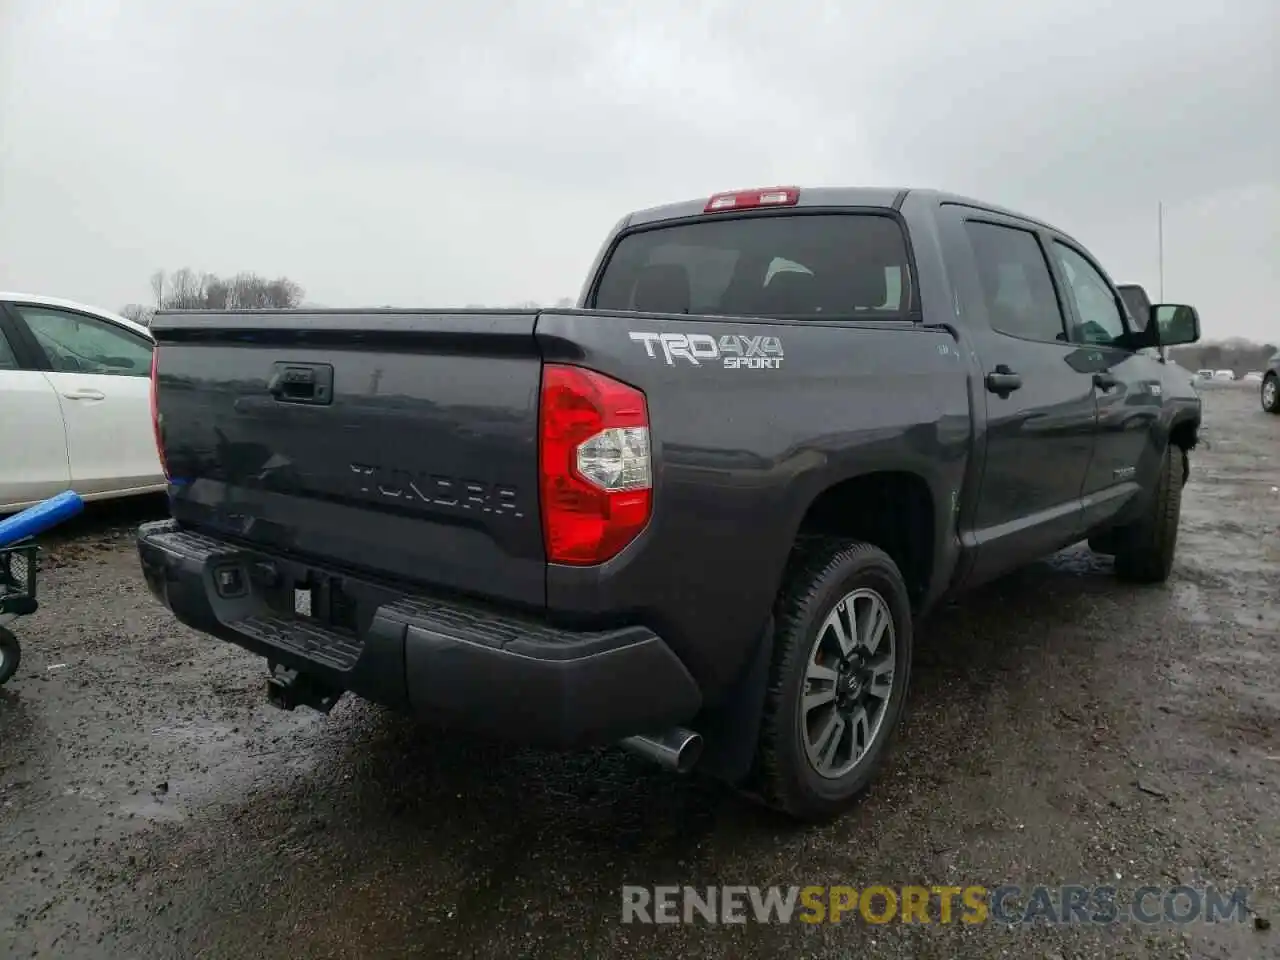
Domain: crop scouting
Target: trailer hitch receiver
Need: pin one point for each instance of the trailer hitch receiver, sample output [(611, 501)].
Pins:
[(288, 689)]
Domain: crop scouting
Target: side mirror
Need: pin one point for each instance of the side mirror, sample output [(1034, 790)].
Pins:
[(1175, 323)]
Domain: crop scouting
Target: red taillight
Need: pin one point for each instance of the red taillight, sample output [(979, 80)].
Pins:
[(748, 199), (596, 479), (155, 412)]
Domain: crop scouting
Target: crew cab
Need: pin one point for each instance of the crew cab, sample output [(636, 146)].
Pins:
[(700, 514)]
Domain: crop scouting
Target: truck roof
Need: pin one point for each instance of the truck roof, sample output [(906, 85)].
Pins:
[(887, 197)]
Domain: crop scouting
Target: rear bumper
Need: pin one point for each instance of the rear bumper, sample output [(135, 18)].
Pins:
[(475, 668)]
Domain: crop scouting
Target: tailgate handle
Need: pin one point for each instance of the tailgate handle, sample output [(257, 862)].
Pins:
[(301, 382)]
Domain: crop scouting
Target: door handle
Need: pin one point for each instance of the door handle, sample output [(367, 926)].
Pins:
[(85, 395), (306, 383), (1002, 381), (1104, 380)]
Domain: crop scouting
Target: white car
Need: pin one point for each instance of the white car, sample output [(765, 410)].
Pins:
[(1204, 375), (1224, 375), (1253, 376), (75, 403)]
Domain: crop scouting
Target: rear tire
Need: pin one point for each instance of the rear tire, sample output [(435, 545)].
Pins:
[(836, 690), (10, 655), (1144, 549), (1271, 393)]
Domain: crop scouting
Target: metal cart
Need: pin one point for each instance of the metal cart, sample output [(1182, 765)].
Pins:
[(18, 568)]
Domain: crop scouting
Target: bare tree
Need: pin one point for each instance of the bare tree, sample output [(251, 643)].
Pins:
[(184, 289), (284, 293), (137, 313), (217, 293)]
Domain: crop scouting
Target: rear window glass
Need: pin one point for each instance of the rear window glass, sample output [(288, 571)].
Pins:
[(817, 266)]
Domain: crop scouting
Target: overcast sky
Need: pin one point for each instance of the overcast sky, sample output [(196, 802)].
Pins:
[(423, 154)]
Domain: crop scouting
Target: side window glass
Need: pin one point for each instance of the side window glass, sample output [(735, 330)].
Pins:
[(1100, 320), (1016, 282), (7, 359), (75, 343)]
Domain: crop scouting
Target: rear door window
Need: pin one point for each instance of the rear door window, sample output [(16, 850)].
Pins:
[(798, 266)]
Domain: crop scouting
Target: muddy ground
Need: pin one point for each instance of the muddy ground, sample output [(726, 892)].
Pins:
[(1062, 728)]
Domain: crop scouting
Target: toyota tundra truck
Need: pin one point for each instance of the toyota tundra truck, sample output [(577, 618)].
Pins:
[(699, 515)]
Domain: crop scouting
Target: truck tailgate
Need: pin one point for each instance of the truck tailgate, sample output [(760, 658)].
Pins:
[(401, 443)]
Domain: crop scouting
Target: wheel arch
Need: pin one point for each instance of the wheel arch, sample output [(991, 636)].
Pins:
[(893, 509), (1184, 433)]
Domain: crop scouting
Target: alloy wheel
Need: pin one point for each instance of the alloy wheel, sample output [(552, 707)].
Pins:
[(848, 682)]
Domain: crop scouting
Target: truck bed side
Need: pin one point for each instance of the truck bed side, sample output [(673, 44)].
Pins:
[(742, 451)]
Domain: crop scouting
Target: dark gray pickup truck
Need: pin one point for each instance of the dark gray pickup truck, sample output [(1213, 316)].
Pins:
[(700, 514)]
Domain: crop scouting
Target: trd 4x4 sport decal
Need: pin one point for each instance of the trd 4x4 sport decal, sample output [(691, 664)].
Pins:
[(735, 351)]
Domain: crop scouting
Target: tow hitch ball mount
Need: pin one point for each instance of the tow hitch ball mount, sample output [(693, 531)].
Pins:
[(288, 689)]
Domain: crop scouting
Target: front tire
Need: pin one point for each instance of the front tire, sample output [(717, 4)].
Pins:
[(1271, 393), (838, 681), (1144, 549), (10, 655)]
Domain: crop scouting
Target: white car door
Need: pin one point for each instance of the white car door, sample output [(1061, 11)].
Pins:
[(33, 443), (101, 373)]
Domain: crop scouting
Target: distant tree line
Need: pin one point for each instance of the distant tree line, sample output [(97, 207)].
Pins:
[(187, 289), (1238, 355)]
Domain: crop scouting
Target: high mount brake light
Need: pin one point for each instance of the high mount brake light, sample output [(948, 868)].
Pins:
[(595, 473), (155, 411), (749, 199)]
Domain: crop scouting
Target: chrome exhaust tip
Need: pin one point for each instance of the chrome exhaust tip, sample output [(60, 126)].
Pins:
[(677, 749)]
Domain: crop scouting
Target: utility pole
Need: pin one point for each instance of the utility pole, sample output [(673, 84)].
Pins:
[(1160, 228)]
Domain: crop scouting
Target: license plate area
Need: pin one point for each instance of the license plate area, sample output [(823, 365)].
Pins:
[(321, 599)]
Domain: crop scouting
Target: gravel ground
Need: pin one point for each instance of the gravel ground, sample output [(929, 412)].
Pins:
[(1063, 728)]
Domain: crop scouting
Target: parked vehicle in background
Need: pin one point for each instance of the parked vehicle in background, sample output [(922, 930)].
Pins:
[(700, 515), (1204, 375), (1225, 375), (1135, 300), (74, 383), (1253, 376), (1270, 391)]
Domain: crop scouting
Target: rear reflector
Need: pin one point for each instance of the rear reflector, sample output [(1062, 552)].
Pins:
[(748, 199), (596, 477)]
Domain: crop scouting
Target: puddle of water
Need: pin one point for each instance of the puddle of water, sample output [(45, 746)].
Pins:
[(1190, 604), (223, 759), (154, 812)]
